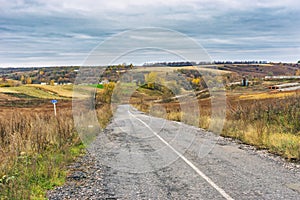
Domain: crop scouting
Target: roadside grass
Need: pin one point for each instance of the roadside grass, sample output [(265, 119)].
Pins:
[(271, 124), (287, 145), (32, 175), (37, 147)]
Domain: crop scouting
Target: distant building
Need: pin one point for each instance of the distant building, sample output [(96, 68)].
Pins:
[(281, 77), (233, 84), (285, 87), (245, 81), (104, 82)]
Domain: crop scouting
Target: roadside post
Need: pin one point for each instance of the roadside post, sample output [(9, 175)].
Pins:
[(54, 105)]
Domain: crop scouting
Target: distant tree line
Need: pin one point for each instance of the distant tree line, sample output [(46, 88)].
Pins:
[(60, 75), (170, 64), (192, 63)]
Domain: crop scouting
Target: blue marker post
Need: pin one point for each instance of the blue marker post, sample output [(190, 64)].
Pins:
[(54, 105)]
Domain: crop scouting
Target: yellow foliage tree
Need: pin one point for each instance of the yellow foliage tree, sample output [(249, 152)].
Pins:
[(22, 79), (28, 80), (196, 81), (105, 96), (52, 82), (150, 79)]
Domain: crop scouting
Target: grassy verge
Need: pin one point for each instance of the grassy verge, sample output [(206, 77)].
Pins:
[(271, 124), (36, 147), (32, 175)]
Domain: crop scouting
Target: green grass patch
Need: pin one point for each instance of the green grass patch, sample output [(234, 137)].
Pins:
[(32, 175), (100, 86)]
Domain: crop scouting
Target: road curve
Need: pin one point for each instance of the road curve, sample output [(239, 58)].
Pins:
[(143, 157)]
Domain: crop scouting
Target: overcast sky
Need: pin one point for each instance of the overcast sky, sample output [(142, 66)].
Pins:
[(63, 32)]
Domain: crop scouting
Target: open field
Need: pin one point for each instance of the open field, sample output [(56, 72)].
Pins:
[(37, 91), (60, 90), (267, 95), (170, 69)]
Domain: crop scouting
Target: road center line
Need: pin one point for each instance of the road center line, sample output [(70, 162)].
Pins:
[(220, 190)]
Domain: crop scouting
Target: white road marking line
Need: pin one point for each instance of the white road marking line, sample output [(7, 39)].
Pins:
[(220, 190)]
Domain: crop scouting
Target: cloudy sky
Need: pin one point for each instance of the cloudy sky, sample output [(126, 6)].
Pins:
[(64, 32)]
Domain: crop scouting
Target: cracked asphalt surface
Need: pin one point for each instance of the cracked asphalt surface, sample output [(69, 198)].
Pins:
[(129, 160)]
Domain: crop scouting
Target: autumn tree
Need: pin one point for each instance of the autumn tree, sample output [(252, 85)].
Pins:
[(150, 79), (22, 79), (60, 80), (52, 82), (28, 80), (43, 80), (196, 81), (106, 94)]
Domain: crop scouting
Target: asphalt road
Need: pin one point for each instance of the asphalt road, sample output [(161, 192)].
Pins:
[(143, 157)]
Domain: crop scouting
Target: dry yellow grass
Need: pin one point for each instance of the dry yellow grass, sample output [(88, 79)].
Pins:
[(8, 90), (266, 95), (34, 148), (287, 144), (61, 90), (31, 91), (48, 91)]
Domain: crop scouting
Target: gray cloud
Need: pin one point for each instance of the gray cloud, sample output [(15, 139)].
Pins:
[(59, 32)]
